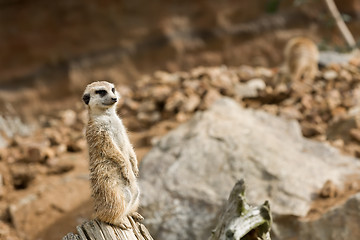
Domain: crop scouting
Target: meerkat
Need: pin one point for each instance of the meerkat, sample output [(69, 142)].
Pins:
[(112, 160), (301, 59)]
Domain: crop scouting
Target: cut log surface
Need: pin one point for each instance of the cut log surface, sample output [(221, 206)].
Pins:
[(96, 230)]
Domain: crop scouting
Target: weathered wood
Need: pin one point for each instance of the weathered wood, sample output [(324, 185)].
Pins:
[(238, 221), (96, 230), (349, 38), (241, 221)]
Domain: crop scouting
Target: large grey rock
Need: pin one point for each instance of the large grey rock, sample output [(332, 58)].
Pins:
[(330, 57), (188, 175), (340, 222)]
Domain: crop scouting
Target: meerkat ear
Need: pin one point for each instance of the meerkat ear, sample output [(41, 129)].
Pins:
[(86, 98)]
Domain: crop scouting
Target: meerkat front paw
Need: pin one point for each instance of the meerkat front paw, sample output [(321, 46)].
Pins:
[(124, 224), (137, 216)]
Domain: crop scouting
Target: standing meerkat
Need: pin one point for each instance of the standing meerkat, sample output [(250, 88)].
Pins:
[(113, 163), (301, 59)]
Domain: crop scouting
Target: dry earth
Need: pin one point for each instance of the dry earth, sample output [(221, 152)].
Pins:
[(43, 176)]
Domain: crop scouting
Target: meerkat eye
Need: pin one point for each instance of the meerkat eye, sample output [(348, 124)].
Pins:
[(101, 92), (113, 90)]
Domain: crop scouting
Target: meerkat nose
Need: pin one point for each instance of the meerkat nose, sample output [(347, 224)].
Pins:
[(114, 99)]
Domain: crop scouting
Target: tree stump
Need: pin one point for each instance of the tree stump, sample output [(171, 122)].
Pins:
[(239, 221), (96, 230)]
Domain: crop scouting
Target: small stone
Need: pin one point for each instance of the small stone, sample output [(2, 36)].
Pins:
[(68, 117), (330, 75), (245, 73), (333, 98), (35, 154), (22, 176), (147, 106), (271, 108), (264, 72), (174, 101), (60, 149), (160, 93), (338, 112), (167, 78), (339, 143), (60, 168), (181, 117), (54, 137), (149, 117), (250, 89), (310, 130), (131, 104), (329, 190), (48, 153), (291, 113), (76, 145), (355, 134), (191, 103), (345, 75), (281, 89), (307, 101), (210, 97)]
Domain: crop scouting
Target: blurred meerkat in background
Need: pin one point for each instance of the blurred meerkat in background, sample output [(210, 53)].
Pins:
[(301, 59)]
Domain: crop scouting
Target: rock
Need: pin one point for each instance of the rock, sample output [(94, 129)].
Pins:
[(6, 232), (131, 104), (68, 117), (328, 57), (210, 97), (76, 145), (189, 173), (250, 89), (149, 117), (355, 134), (341, 129), (160, 93), (340, 222), (167, 78), (291, 113), (329, 190), (35, 154), (191, 103), (2, 189), (175, 101), (333, 98), (330, 75), (246, 73), (147, 106), (24, 174)]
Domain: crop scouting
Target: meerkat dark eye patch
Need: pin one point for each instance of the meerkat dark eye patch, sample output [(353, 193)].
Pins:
[(86, 98), (113, 90), (101, 92)]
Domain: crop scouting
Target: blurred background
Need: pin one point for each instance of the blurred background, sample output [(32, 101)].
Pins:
[(50, 50)]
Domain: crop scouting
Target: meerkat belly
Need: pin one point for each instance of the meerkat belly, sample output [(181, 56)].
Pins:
[(106, 177)]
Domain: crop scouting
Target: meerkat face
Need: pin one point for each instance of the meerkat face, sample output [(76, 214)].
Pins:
[(100, 95)]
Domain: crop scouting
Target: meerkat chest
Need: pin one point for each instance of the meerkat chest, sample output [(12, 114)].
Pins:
[(119, 136)]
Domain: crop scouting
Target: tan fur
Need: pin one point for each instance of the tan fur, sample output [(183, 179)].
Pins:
[(301, 59), (113, 163)]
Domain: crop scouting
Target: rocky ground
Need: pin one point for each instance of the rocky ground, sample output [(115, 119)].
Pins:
[(44, 173)]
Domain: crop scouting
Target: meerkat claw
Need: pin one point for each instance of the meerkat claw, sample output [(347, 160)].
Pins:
[(137, 217), (124, 226)]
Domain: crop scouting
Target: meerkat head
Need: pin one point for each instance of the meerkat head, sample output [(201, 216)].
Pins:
[(100, 96)]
